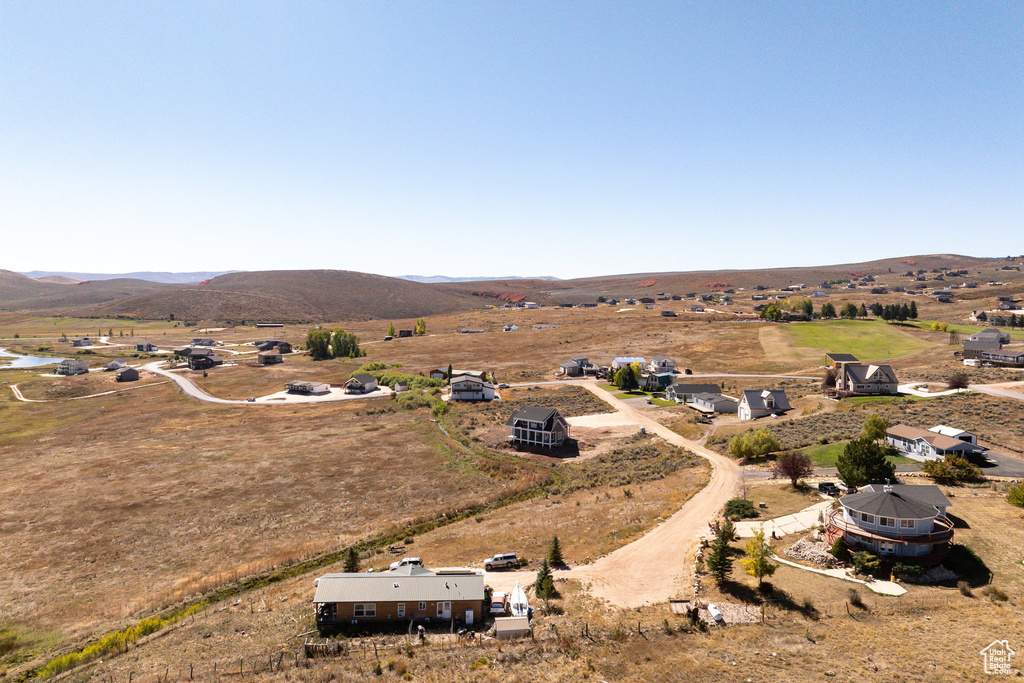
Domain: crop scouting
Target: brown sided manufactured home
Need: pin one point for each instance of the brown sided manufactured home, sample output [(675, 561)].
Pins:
[(400, 596)]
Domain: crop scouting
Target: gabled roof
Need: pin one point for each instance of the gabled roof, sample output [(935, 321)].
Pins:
[(939, 441), (841, 357), (470, 379), (866, 374), (363, 379), (534, 414), (755, 399), (889, 504), (405, 584), (661, 359), (695, 389)]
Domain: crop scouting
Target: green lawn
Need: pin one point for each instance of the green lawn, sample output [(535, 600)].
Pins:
[(826, 455), (868, 340)]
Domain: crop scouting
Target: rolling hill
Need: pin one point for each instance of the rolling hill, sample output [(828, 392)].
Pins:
[(294, 296), (335, 295)]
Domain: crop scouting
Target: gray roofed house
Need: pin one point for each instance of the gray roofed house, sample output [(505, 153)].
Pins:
[(116, 365), (905, 522), (833, 359), (398, 596), (992, 334), (202, 341), (1007, 357), (755, 403), (127, 374), (973, 347), (714, 403), (536, 426), (72, 366), (661, 364), (684, 393), (270, 357), (862, 379), (147, 347)]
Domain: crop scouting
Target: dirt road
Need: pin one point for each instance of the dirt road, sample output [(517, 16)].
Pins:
[(658, 565)]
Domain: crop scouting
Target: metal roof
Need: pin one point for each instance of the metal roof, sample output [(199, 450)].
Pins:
[(534, 414), (405, 584)]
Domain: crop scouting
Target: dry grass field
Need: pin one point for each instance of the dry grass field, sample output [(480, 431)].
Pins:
[(131, 501), (112, 507)]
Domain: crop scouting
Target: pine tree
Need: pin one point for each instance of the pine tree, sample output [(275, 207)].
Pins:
[(391, 330), (862, 312), (864, 461), (555, 558), (544, 586), (351, 561), (913, 310), (719, 559)]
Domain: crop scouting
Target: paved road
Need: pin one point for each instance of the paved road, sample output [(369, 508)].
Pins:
[(993, 391)]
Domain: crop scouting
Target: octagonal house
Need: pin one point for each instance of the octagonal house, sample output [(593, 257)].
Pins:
[(899, 523)]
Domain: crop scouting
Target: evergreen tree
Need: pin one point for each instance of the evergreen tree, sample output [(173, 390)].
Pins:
[(544, 586), (421, 326), (876, 309), (391, 330), (351, 561), (849, 311), (862, 312), (555, 558), (828, 310), (913, 310), (719, 558), (758, 560), (904, 313), (864, 461)]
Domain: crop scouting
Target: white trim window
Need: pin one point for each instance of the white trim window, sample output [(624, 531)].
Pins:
[(907, 524), (401, 609), (886, 521), (367, 609), (865, 517)]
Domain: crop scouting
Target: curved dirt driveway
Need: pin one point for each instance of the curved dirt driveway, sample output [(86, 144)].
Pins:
[(659, 564)]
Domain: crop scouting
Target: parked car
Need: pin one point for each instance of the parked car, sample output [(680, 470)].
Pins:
[(388, 338), (502, 561), (503, 385), (405, 561), (829, 488), (499, 604)]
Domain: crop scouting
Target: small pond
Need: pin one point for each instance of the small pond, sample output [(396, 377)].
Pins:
[(20, 361)]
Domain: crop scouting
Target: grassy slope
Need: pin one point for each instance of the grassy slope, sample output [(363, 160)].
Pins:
[(869, 340)]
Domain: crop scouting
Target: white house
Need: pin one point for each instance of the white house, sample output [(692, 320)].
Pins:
[(755, 403), (530, 304), (660, 364), (931, 444), (510, 328), (620, 362), (470, 388)]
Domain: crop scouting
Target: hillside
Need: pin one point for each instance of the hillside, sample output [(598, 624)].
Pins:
[(294, 296), (647, 284)]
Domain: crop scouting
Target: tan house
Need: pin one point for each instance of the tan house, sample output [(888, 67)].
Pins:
[(400, 596)]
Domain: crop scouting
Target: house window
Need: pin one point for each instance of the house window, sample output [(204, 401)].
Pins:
[(865, 517), (907, 524), (886, 521), (423, 606), (401, 609), (364, 610)]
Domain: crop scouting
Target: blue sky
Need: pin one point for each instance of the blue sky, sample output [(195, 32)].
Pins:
[(496, 138)]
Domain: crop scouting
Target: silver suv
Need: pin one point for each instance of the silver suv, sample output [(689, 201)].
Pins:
[(502, 561)]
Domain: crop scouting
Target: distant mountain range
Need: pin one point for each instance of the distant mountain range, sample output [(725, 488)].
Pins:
[(434, 279), (148, 276)]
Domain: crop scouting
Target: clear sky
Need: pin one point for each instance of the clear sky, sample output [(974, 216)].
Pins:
[(485, 138)]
